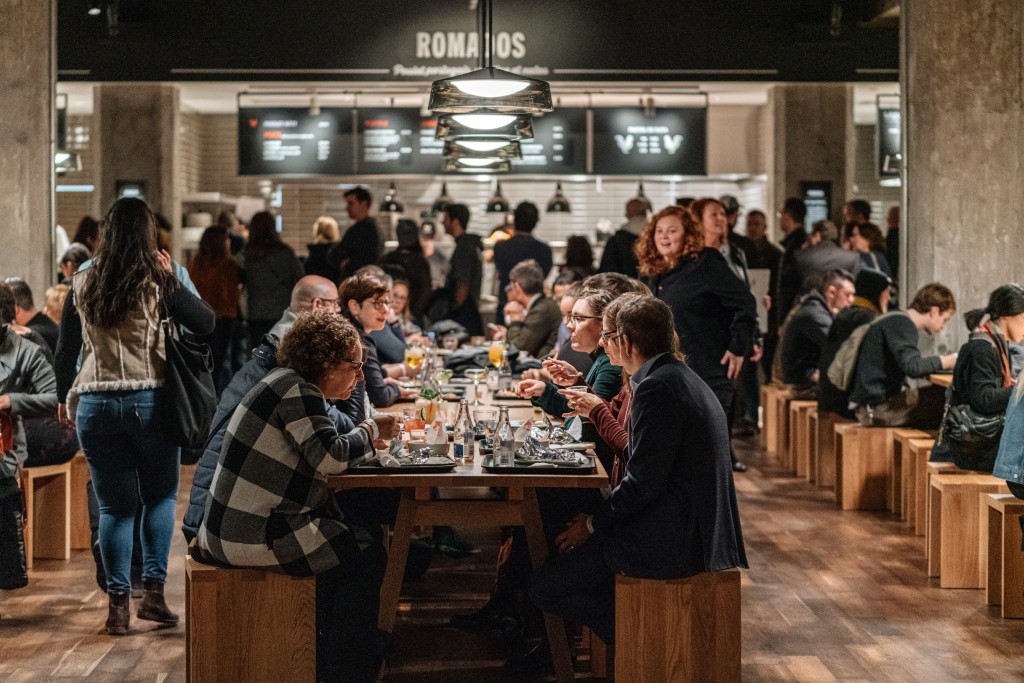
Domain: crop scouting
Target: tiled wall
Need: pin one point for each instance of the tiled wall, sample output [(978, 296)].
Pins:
[(72, 206)]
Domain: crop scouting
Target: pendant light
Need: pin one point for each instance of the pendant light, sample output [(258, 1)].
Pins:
[(391, 203), (468, 149), (489, 87), (443, 200), (641, 197), (484, 124), (498, 203), (477, 165), (559, 203)]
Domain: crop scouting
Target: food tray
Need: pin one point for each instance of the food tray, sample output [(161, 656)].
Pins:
[(536, 469), (432, 466)]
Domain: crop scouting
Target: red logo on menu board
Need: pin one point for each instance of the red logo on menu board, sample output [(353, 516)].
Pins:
[(253, 123)]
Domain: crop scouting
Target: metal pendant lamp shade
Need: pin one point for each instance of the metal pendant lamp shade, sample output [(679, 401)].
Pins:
[(559, 203), (498, 203), (640, 196), (489, 165), (484, 123), (391, 203), (469, 149), (443, 200), (490, 88)]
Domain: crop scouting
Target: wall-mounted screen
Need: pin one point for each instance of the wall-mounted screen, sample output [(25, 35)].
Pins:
[(670, 142), (290, 140), (559, 145), (890, 157), (396, 141)]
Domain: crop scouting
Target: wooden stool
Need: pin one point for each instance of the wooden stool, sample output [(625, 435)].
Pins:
[(811, 427), (781, 412), (930, 470), (899, 482), (769, 419), (862, 466), (1000, 527), (48, 502), (825, 450), (920, 450), (81, 538), (799, 441), (598, 654), (683, 630), (953, 521), (248, 625)]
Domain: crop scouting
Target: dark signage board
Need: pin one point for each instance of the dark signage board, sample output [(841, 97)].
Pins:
[(817, 196), (393, 141), (671, 142), (890, 157), (291, 141), (559, 145), (62, 128)]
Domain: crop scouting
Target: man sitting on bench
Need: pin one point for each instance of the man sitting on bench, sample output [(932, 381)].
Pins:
[(674, 513)]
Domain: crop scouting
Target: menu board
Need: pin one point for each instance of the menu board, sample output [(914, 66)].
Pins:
[(890, 157), (671, 142), (559, 145), (817, 196), (393, 141), (290, 140)]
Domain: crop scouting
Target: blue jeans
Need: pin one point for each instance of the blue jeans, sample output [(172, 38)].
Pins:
[(129, 458)]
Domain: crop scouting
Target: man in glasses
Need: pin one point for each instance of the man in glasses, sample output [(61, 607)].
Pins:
[(532, 317)]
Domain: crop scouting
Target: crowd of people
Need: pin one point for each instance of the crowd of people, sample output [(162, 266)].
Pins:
[(663, 338)]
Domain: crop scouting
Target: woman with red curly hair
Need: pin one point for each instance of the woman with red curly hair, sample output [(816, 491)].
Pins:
[(713, 310)]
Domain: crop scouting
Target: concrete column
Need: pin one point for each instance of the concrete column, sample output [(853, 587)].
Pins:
[(963, 104), (27, 82), (810, 124), (139, 130)]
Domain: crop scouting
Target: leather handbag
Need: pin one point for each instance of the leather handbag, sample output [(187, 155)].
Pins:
[(189, 397)]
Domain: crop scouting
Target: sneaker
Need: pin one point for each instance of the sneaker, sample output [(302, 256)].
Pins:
[(454, 545)]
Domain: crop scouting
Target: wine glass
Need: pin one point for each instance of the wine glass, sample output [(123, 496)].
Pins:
[(476, 374)]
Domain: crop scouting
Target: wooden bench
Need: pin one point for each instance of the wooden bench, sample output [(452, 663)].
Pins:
[(1001, 546), (683, 630), (953, 527), (81, 538), (48, 502), (899, 491), (862, 466), (825, 449), (919, 450), (799, 437), (931, 469), (248, 625)]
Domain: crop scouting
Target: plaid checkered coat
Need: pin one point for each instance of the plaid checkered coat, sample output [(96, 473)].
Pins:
[(270, 505)]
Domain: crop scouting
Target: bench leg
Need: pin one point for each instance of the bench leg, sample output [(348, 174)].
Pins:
[(80, 535), (51, 537), (933, 540), (993, 522), (1011, 568)]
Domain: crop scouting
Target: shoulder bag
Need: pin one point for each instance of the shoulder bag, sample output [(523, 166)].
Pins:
[(189, 397)]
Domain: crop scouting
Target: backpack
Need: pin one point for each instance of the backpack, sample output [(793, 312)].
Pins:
[(842, 367)]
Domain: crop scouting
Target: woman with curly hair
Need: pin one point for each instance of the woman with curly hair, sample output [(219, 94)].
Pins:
[(270, 505), (713, 310)]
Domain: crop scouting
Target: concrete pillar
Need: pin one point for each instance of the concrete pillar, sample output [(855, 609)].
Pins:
[(963, 122), (27, 82), (810, 130), (139, 128)]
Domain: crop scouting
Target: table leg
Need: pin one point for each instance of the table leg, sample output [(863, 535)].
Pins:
[(555, 626), (398, 552)]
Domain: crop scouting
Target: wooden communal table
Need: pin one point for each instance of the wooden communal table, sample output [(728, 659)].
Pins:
[(516, 506)]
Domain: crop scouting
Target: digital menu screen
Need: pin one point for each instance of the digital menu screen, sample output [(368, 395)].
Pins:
[(890, 157), (671, 142), (290, 140), (559, 145), (393, 141)]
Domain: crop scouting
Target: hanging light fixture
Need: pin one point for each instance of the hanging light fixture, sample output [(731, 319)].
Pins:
[(489, 87), (498, 203), (443, 200), (468, 149), (66, 162), (641, 197), (391, 203), (559, 203), (484, 124), (477, 165)]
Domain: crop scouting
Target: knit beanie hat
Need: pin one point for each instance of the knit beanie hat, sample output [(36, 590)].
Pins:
[(870, 284)]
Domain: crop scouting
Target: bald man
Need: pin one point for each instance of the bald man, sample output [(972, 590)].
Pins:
[(618, 256)]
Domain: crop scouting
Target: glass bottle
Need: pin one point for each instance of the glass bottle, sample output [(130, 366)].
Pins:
[(464, 434), (505, 373), (504, 440)]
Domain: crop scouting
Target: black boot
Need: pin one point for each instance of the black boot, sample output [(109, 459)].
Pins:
[(153, 606), (118, 614)]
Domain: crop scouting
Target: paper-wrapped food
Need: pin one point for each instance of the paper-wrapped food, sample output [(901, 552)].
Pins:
[(534, 452)]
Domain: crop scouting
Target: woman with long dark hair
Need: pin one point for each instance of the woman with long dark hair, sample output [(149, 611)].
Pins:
[(215, 274), (270, 270), (112, 318)]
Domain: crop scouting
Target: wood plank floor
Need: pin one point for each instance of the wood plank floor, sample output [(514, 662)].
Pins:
[(830, 595)]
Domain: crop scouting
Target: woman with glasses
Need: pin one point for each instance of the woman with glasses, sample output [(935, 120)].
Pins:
[(271, 507), (366, 302)]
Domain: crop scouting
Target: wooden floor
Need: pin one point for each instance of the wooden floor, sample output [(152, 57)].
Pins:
[(830, 595)]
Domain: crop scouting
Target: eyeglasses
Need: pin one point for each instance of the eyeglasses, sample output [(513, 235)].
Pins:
[(578, 319), (358, 364), (608, 335), (381, 304), (333, 303)]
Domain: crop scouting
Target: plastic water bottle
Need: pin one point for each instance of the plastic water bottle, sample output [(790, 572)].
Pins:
[(504, 440), (464, 433)]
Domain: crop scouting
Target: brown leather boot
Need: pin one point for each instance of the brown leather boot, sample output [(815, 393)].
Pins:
[(153, 606), (118, 614)]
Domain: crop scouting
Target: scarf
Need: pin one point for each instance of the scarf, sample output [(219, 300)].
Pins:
[(995, 335)]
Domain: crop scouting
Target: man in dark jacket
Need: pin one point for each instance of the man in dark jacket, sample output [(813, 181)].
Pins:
[(310, 293), (674, 513), (533, 319), (362, 243), (732, 216), (460, 298), (618, 255), (822, 253), (889, 355), (26, 313), (807, 331), (412, 266), (791, 222), (519, 248)]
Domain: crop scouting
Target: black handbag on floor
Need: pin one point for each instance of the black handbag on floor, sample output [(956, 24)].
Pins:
[(13, 568), (189, 397)]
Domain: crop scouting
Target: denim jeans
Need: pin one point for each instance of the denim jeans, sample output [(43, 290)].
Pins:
[(129, 459)]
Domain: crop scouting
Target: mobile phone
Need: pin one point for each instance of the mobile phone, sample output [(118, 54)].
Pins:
[(492, 326)]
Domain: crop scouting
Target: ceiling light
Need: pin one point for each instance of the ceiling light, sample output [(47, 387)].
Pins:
[(640, 196), (94, 9), (481, 144), (391, 203), (498, 203), (443, 200), (559, 203), (489, 166), (66, 162), (481, 120), (509, 150), (471, 161), (484, 125)]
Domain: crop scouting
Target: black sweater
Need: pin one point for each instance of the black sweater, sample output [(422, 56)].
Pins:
[(830, 397), (804, 338), (888, 356)]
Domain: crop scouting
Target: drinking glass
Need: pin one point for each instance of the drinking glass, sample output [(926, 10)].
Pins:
[(411, 419), (496, 353), (414, 356), (488, 419), (476, 374)]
